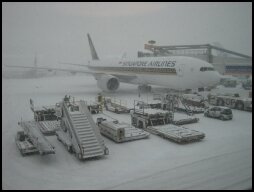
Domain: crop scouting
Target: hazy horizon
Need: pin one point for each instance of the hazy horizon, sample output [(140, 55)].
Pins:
[(57, 31)]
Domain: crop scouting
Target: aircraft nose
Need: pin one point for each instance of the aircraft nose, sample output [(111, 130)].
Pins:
[(217, 77)]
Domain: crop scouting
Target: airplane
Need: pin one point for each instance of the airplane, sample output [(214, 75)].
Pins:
[(174, 72), (30, 74)]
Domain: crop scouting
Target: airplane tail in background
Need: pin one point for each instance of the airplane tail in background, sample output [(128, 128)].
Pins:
[(92, 49)]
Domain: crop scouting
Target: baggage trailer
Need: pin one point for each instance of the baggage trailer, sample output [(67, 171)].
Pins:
[(120, 132), (32, 140), (141, 118), (115, 106), (186, 121), (176, 133), (49, 127), (159, 122)]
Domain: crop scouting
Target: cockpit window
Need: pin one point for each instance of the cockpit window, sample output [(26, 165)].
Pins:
[(206, 69)]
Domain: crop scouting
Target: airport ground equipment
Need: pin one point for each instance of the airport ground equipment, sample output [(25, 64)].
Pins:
[(65, 139), (94, 108), (160, 122), (141, 118), (228, 82), (49, 127), (116, 106), (120, 131), (44, 113), (176, 133), (231, 101), (223, 113), (247, 84), (24, 144), (174, 101), (47, 118), (31, 140), (190, 111), (144, 89), (152, 104), (79, 129), (195, 100), (186, 121)]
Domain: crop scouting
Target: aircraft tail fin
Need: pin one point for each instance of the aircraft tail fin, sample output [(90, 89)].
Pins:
[(92, 49)]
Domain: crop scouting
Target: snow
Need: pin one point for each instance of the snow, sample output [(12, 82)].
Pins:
[(222, 160)]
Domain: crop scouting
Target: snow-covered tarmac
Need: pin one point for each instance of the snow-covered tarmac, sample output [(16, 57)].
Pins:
[(222, 160)]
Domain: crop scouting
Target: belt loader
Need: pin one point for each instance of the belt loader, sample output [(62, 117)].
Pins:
[(31, 140)]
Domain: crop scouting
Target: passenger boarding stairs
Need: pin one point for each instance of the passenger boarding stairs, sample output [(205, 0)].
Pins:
[(179, 104), (186, 106), (86, 139)]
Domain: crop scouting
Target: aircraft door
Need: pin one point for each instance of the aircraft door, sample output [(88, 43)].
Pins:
[(180, 70)]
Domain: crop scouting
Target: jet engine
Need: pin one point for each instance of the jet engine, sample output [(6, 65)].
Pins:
[(108, 83)]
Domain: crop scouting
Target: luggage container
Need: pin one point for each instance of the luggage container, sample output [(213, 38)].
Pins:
[(120, 131)]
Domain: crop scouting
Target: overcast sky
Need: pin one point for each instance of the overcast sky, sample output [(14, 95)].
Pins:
[(57, 31)]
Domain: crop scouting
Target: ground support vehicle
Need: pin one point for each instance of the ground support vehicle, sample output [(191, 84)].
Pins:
[(176, 102), (159, 122), (195, 100), (46, 117), (24, 144), (247, 84), (94, 108), (116, 107), (223, 113), (141, 118), (49, 127), (120, 131), (186, 121), (176, 133), (44, 113), (32, 140), (79, 133), (231, 101), (152, 104), (65, 139), (192, 110)]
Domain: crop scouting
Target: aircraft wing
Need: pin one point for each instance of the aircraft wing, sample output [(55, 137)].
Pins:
[(76, 64), (122, 77), (55, 69)]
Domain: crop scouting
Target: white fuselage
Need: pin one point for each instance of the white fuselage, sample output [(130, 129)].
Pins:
[(176, 72)]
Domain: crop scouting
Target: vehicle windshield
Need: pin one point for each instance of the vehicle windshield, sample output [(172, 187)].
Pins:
[(227, 111)]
